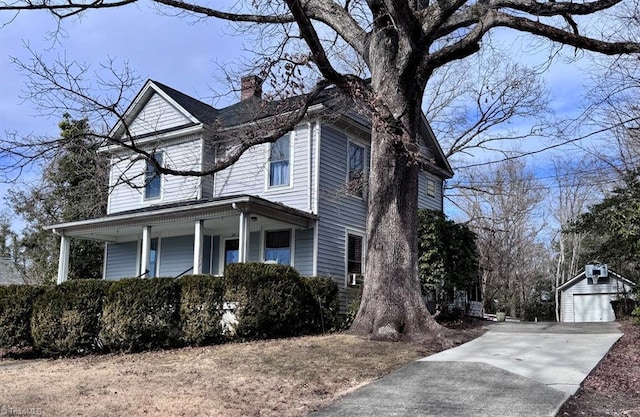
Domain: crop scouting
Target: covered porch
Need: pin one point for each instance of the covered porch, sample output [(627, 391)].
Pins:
[(196, 237)]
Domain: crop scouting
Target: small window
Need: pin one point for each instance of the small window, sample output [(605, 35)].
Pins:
[(356, 180), (354, 254), (152, 178), (279, 162), (431, 188), (278, 247)]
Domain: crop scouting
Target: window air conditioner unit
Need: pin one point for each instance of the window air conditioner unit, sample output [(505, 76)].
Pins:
[(355, 280)]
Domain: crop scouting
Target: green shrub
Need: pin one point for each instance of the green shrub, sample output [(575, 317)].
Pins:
[(141, 314), (623, 306), (635, 315), (323, 314), (66, 318), (16, 306), (201, 302), (271, 300), (540, 310)]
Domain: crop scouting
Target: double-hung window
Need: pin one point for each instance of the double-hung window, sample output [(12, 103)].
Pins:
[(153, 178), (431, 188), (278, 247), (355, 180), (279, 162), (354, 254)]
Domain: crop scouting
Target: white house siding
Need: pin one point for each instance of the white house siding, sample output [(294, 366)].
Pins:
[(303, 256), (425, 200), (157, 115), (176, 255), (249, 174), (254, 247), (121, 260), (567, 307), (337, 211), (182, 155)]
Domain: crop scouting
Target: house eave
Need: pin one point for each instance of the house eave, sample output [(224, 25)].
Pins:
[(190, 212), (143, 140), (582, 276)]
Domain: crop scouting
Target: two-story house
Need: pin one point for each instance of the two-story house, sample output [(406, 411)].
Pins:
[(301, 200)]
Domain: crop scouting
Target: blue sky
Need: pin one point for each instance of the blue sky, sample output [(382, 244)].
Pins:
[(171, 50), (163, 48)]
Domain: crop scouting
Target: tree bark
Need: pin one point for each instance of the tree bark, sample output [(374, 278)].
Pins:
[(392, 307)]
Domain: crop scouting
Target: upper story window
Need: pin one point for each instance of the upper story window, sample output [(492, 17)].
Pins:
[(431, 188), (355, 180), (152, 178), (277, 247), (279, 161)]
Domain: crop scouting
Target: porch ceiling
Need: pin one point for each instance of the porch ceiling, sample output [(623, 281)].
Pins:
[(221, 216)]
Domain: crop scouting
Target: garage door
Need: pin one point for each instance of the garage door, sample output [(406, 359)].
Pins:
[(592, 307)]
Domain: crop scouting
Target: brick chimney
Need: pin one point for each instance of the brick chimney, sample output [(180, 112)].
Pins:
[(250, 86)]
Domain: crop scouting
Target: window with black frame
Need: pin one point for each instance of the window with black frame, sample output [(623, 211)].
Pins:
[(278, 247)]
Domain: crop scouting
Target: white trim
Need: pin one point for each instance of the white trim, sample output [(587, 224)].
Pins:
[(63, 259), (315, 249), (166, 137), (198, 247), (244, 236), (435, 192), (104, 260), (274, 188), (316, 185), (111, 186), (140, 101), (292, 243), (355, 232), (146, 248), (160, 197), (309, 167), (189, 210), (138, 257)]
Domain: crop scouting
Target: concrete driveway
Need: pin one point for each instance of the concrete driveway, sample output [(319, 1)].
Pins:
[(515, 369)]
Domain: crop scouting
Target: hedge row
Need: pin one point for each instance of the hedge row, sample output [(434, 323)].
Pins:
[(252, 301)]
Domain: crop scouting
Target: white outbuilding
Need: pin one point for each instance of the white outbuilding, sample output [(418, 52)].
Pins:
[(587, 297)]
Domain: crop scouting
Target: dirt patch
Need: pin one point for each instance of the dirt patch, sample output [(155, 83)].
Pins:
[(613, 387), (290, 377)]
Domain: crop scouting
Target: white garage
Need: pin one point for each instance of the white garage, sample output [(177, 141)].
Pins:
[(587, 297)]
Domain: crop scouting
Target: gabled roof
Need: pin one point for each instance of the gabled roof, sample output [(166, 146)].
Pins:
[(254, 109), (582, 275), (201, 111)]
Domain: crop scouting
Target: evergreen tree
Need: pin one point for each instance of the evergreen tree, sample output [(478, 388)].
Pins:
[(73, 187), (448, 256)]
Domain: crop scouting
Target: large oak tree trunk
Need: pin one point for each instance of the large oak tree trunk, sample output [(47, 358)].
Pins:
[(392, 307)]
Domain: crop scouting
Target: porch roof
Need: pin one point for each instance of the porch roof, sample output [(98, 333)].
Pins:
[(99, 228)]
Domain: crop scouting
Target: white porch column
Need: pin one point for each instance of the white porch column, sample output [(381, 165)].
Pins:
[(243, 237), (146, 249), (63, 262), (198, 239)]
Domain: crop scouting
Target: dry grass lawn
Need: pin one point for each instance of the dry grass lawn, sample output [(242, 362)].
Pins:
[(290, 377)]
